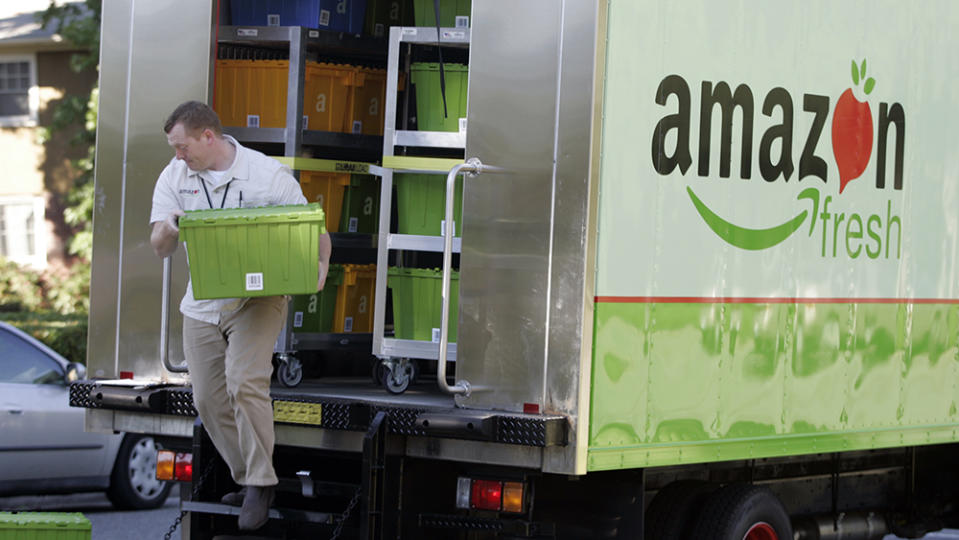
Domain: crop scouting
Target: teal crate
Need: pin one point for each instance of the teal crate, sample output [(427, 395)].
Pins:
[(44, 526), (314, 313), (424, 12), (361, 205), (247, 252), (382, 14), (418, 303), (429, 97), (421, 204)]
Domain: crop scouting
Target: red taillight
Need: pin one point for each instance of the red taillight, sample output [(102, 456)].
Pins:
[(486, 495), (183, 469)]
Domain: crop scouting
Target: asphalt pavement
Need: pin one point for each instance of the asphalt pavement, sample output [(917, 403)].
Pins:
[(106, 522)]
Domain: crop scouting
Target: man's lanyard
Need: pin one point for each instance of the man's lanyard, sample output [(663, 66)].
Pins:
[(205, 190)]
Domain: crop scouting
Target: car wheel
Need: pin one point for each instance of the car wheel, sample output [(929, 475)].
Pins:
[(133, 483)]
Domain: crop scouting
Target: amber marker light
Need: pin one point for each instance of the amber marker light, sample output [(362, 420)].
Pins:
[(165, 464), (513, 497)]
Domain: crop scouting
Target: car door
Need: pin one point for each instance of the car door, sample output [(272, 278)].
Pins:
[(41, 436)]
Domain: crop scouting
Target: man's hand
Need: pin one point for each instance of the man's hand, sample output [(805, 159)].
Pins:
[(165, 234)]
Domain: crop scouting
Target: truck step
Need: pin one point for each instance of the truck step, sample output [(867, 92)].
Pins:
[(286, 514)]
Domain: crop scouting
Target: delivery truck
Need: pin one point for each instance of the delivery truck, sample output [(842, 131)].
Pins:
[(643, 269)]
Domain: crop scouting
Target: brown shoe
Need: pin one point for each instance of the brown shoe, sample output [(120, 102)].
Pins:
[(255, 511), (234, 498)]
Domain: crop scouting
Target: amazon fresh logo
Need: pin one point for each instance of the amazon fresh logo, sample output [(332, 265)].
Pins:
[(832, 213)]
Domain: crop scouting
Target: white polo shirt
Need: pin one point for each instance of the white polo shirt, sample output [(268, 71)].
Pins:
[(252, 180)]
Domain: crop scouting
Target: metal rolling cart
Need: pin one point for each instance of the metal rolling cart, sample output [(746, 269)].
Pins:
[(349, 153), (398, 367)]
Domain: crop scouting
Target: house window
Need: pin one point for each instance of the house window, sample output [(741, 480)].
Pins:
[(20, 241), (19, 97)]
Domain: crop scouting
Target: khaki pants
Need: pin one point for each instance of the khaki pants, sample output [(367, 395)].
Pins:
[(230, 367)]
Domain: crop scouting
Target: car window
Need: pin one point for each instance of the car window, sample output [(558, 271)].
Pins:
[(21, 362)]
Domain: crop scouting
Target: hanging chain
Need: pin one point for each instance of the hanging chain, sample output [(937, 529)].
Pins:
[(346, 514), (196, 492)]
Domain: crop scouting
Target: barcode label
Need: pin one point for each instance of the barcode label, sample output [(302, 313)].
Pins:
[(297, 319), (443, 228), (354, 224), (409, 31), (462, 125), (247, 32), (313, 34), (324, 17), (379, 30), (253, 120), (357, 127), (462, 21), (448, 35), (254, 281), (273, 19), (306, 121), (348, 324), (436, 335)]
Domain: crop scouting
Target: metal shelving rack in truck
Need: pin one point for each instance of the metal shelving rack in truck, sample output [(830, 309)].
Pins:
[(397, 354), (300, 42)]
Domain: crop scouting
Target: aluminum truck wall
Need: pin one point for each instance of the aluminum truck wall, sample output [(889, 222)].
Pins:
[(777, 231), (154, 55)]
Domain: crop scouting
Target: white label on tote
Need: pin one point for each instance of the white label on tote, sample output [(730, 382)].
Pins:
[(273, 19), (306, 121), (297, 319), (247, 32), (254, 281), (462, 125), (446, 34), (378, 30), (462, 21), (313, 34), (357, 127), (354, 224), (436, 335), (324, 17), (253, 120), (348, 324), (409, 31)]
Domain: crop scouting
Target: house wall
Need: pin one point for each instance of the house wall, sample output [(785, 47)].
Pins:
[(33, 168)]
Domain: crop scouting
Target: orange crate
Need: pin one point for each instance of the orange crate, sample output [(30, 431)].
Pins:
[(355, 299), (369, 100), (328, 96), (251, 93), (327, 189)]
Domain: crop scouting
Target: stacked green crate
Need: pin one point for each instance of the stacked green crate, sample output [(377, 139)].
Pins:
[(418, 303), (361, 205), (424, 12), (425, 76), (421, 203), (44, 526), (314, 313)]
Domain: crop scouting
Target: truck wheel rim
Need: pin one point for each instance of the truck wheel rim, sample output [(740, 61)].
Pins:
[(142, 467), (761, 531)]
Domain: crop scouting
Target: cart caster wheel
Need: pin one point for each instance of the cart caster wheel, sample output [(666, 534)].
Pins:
[(396, 378), (289, 371)]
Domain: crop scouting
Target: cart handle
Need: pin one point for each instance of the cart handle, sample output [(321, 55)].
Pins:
[(165, 319), (474, 167)]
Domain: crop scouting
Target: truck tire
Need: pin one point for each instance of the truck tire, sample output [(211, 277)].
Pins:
[(133, 483), (672, 512), (743, 511)]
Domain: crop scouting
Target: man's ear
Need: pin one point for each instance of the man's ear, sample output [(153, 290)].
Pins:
[(208, 135)]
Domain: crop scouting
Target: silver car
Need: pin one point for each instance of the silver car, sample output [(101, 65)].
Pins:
[(43, 445)]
